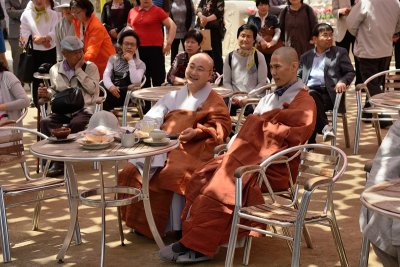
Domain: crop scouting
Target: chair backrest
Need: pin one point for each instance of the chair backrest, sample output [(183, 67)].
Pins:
[(12, 146), (320, 163)]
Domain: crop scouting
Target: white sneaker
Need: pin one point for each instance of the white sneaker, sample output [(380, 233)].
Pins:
[(327, 133)]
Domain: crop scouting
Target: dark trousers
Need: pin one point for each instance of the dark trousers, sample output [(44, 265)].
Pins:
[(112, 102), (268, 61), (323, 103), (216, 52), (371, 66), (175, 48), (40, 57), (348, 40), (154, 59), (77, 122), (397, 54)]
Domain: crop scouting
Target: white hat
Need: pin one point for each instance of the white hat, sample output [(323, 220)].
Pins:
[(63, 3)]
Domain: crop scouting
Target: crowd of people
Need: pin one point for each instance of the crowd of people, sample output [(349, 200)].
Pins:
[(281, 43)]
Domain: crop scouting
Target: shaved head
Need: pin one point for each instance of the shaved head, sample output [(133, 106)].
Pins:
[(284, 65), (287, 53), (206, 57)]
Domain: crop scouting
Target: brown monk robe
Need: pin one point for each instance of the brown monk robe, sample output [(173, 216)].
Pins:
[(214, 121), (211, 198)]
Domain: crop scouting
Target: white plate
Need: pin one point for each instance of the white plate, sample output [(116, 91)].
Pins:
[(162, 142), (94, 146), (69, 138)]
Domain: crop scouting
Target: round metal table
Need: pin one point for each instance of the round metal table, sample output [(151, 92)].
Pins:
[(73, 152)]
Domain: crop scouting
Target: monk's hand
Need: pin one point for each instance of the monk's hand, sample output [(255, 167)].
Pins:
[(113, 33), (340, 87), (114, 90), (187, 134)]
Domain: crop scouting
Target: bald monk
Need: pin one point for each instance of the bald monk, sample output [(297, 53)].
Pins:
[(282, 119), (201, 119)]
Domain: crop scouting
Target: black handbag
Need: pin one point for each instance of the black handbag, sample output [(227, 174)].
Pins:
[(67, 101), (25, 66)]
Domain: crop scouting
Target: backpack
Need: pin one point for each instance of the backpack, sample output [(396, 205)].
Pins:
[(230, 59)]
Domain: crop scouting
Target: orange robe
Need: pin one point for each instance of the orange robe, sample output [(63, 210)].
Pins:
[(211, 198), (213, 119)]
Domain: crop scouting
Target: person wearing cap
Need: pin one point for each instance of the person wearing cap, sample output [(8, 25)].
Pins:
[(73, 71), (123, 69), (97, 43), (64, 27)]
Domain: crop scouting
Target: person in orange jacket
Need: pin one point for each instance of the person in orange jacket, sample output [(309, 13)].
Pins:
[(98, 46)]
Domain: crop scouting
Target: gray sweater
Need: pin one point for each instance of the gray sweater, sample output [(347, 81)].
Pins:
[(12, 94)]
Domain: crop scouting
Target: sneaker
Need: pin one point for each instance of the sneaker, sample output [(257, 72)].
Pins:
[(171, 252), (327, 133)]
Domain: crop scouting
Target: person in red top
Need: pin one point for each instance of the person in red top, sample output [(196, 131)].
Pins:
[(98, 46), (147, 21)]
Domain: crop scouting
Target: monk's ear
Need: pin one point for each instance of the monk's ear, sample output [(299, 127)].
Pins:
[(294, 66)]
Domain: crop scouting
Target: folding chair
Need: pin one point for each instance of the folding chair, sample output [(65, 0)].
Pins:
[(318, 171)]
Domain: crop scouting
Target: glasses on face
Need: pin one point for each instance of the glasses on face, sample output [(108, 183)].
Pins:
[(197, 69), (326, 35), (129, 44)]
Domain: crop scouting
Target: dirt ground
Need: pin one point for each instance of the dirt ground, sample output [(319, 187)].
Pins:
[(39, 248)]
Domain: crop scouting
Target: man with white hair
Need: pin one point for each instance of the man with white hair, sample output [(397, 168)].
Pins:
[(73, 71)]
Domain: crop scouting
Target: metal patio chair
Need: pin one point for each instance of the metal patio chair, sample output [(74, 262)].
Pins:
[(320, 167), (391, 78), (13, 151)]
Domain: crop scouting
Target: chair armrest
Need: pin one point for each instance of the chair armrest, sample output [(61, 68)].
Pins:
[(220, 148), (239, 172), (360, 87), (316, 182), (100, 100)]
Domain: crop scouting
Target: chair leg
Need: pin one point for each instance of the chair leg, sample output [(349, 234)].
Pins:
[(377, 130), (296, 244), (247, 249), (36, 212), (103, 235), (345, 130), (230, 253), (338, 242), (307, 237), (358, 124), (4, 229), (364, 253)]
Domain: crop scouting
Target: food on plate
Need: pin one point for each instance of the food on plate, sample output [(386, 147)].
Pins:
[(96, 139), (141, 134)]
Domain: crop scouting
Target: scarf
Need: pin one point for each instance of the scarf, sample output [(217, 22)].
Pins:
[(40, 13), (250, 57)]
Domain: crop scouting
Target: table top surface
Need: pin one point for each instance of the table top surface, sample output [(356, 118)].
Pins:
[(388, 100), (156, 93), (383, 198), (73, 151)]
